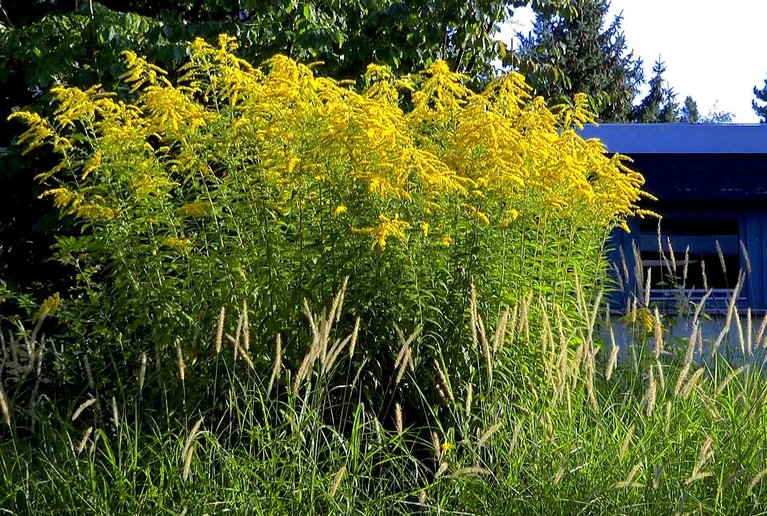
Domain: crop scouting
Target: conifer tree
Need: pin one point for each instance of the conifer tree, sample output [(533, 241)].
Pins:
[(567, 53), (761, 95)]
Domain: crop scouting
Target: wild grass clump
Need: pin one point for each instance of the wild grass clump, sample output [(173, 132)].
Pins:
[(675, 432)]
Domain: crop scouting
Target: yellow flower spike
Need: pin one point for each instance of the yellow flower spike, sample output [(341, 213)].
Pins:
[(340, 210), (425, 229)]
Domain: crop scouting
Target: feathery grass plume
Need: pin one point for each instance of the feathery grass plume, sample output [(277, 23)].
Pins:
[(115, 413), (469, 399), (524, 318), (657, 476), (422, 496), (246, 357), (84, 440), (657, 332), (626, 442), (630, 481), (220, 329), (612, 359), (741, 337), (706, 452), (84, 405), (720, 254), (547, 338), (728, 379), (760, 334), (398, 423), (277, 369), (746, 257), (489, 433), (512, 325), (672, 255), (618, 277), (703, 274), (562, 360), (700, 306), (355, 334), (486, 350), (180, 360), (661, 375), (710, 405), (515, 436), (471, 471), (647, 288), (688, 388), (337, 479), (731, 309), (444, 383), (590, 373), (558, 475), (474, 315), (186, 453), (650, 398), (749, 333), (441, 470), (436, 445), (639, 273), (686, 266), (338, 301), (245, 327), (5, 406), (687, 358), (500, 332), (757, 479), (88, 373), (624, 266), (142, 371), (237, 336)]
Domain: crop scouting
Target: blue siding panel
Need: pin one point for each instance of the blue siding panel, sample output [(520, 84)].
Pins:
[(754, 228)]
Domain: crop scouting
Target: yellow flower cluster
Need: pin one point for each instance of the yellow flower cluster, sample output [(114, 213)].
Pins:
[(489, 157)]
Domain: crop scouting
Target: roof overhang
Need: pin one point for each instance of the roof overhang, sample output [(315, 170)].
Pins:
[(633, 139)]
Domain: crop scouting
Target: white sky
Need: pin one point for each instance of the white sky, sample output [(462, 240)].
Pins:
[(714, 51)]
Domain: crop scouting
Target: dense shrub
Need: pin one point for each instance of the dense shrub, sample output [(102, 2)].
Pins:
[(272, 185)]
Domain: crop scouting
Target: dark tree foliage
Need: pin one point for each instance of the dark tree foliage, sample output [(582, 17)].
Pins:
[(659, 105), (583, 52), (78, 42), (759, 104), (689, 114)]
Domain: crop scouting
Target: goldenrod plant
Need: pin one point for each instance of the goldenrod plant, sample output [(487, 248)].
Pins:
[(224, 182)]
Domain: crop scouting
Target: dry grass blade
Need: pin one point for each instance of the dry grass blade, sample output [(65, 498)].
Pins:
[(444, 383), (5, 406), (245, 327), (471, 471), (657, 332), (337, 479), (115, 413), (500, 332), (688, 388), (757, 479), (84, 440), (82, 407), (650, 399), (277, 369), (180, 360), (142, 371), (489, 433), (630, 481), (186, 453), (728, 379), (626, 442), (398, 423), (220, 330)]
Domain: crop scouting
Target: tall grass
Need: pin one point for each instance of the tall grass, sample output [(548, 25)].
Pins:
[(649, 433)]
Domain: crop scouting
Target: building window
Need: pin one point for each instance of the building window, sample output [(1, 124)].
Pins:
[(688, 257)]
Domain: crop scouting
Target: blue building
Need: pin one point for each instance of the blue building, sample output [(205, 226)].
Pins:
[(711, 185)]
